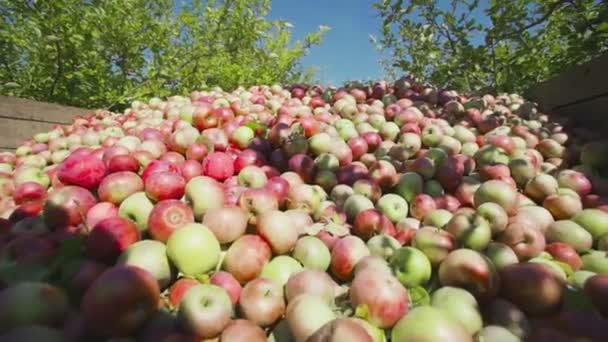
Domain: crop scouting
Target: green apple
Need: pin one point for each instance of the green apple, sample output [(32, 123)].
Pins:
[(31, 174), (137, 208), (460, 305), (312, 253), (393, 206), (501, 255), (204, 193), (595, 221), (595, 261), (410, 184), (355, 204), (306, 314), (383, 246), (193, 249), (150, 255), (411, 267), (426, 323), (4, 167), (437, 218), (280, 268), (205, 311)]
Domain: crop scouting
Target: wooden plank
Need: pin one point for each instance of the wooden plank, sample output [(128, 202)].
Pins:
[(589, 114), (578, 84), (13, 132), (24, 109)]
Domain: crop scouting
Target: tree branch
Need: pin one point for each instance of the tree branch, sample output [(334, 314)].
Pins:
[(554, 7)]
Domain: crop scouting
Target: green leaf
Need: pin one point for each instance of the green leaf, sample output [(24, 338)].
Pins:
[(419, 296)]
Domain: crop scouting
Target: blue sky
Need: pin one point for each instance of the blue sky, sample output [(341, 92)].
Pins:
[(346, 52)]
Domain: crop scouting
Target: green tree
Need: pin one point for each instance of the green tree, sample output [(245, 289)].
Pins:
[(105, 53), (499, 45)]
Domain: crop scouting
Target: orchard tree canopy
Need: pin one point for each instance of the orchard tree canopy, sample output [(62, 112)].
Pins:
[(104, 53), (499, 45)]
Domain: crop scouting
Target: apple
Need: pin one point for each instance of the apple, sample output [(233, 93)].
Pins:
[(218, 165), (393, 206), (495, 215), (120, 163), (563, 206), (472, 231), (371, 222), (280, 268), (98, 212), (499, 192), (116, 187), (204, 193), (83, 169), (67, 206), (110, 237), (312, 253), (242, 330), (120, 301), (460, 305), (262, 302), (29, 191), (471, 270), (151, 256), (246, 257), (252, 177), (178, 290), (434, 243), (312, 282), (426, 323), (544, 292), (381, 293), (594, 221), (345, 255), (227, 223), (158, 166), (571, 233), (355, 204), (383, 246), (341, 329), (227, 281), (137, 208), (205, 310), (564, 253), (421, 206), (165, 185), (596, 288), (166, 217), (306, 314), (279, 230), (193, 249), (46, 304)]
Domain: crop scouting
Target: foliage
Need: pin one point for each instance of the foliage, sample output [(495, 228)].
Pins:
[(506, 45), (100, 53)]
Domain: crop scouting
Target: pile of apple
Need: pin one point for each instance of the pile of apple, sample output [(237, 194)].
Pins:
[(381, 212)]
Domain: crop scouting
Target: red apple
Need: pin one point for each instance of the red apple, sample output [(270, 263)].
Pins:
[(262, 302), (165, 185), (110, 237), (246, 257), (227, 281), (218, 165), (120, 163), (67, 206), (29, 191), (168, 216)]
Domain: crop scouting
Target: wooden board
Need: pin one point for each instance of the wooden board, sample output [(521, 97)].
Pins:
[(13, 132), (579, 84), (29, 110)]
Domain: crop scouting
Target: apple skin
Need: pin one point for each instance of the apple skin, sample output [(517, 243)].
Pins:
[(218, 165), (280, 268), (499, 192), (227, 281), (84, 170), (312, 253), (137, 208), (243, 330), (435, 243), (595, 221), (45, 303), (98, 212), (165, 185), (29, 191), (411, 267), (383, 295), (120, 163), (168, 216), (307, 314), (110, 237), (342, 329), (262, 302), (563, 206), (279, 230), (565, 253), (116, 187), (426, 323), (158, 166), (533, 288), (151, 256), (471, 270), (371, 222), (571, 233), (345, 255), (193, 249), (393, 206), (120, 301), (178, 290), (204, 193), (312, 282), (526, 240), (501, 255), (205, 311), (472, 231), (460, 305), (67, 206), (246, 257), (596, 288)]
